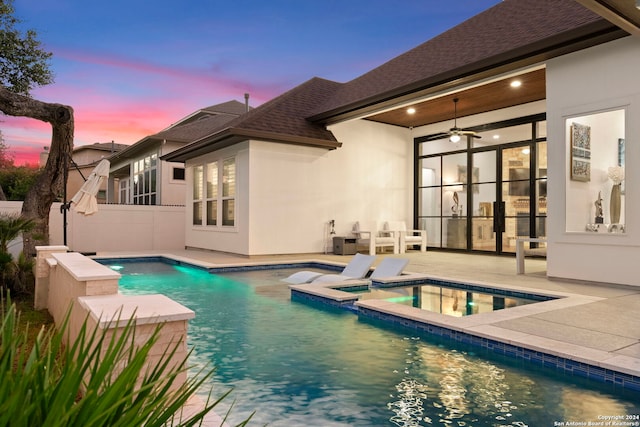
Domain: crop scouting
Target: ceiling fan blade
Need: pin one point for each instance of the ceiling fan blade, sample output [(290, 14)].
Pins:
[(439, 136), (470, 132)]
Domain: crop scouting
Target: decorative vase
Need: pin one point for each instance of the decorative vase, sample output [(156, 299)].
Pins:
[(614, 205)]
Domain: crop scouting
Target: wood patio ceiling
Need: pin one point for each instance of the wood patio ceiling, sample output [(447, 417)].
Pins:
[(489, 97)]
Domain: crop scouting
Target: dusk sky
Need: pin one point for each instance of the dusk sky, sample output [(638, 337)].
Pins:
[(132, 68)]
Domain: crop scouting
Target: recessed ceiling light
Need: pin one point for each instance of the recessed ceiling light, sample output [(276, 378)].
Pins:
[(411, 110), (516, 83), (526, 151), (496, 136)]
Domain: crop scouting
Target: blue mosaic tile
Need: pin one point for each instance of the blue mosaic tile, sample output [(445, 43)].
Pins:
[(632, 385), (280, 266), (537, 358), (303, 296)]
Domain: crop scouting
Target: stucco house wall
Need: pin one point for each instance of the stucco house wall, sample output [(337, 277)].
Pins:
[(287, 194), (171, 191), (226, 239), (598, 79)]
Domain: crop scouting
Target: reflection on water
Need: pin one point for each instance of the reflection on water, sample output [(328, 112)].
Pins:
[(445, 388), (444, 300), (408, 408), (297, 364)]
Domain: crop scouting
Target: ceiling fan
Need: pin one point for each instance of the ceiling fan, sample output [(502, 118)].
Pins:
[(455, 133)]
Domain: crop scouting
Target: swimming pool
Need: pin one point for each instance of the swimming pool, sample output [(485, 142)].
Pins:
[(441, 299), (303, 365)]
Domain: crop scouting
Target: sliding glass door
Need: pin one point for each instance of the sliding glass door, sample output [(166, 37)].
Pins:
[(484, 193)]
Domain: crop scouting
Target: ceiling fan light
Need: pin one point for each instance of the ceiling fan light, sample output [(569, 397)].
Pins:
[(454, 138)]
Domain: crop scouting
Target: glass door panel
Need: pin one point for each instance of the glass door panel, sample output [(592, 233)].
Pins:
[(455, 236), (429, 201), (516, 193), (483, 194), (434, 230), (541, 188), (482, 233)]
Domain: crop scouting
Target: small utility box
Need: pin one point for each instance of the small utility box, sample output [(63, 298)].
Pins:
[(344, 245)]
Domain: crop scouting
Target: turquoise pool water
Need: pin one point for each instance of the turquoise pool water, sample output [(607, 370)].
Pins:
[(297, 364)]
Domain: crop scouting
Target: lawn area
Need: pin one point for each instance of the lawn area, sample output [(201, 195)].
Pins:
[(31, 319)]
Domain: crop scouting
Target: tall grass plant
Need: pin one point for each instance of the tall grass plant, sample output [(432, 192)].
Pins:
[(99, 380)]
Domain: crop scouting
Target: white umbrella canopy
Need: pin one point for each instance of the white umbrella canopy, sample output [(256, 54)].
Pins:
[(85, 199)]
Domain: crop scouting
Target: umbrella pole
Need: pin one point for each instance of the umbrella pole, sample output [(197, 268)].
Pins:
[(66, 205), (64, 208)]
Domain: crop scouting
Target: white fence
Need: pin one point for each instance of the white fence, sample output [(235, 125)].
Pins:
[(114, 228)]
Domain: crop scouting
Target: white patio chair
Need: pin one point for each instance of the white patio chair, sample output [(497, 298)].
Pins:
[(389, 267), (370, 235), (407, 237), (357, 268)]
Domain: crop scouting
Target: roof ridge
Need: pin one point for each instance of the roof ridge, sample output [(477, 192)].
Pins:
[(503, 30), (278, 101)]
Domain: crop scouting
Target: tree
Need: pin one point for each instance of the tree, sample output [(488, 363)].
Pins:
[(23, 63), (16, 181), (6, 161), (23, 66)]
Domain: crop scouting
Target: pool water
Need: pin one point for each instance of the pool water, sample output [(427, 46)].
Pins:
[(443, 300), (297, 364)]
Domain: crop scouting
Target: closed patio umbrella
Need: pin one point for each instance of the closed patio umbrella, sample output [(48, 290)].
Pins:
[(85, 199)]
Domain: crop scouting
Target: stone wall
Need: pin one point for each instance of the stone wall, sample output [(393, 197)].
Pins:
[(77, 289)]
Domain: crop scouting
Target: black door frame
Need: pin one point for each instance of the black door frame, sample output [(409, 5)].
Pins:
[(532, 142)]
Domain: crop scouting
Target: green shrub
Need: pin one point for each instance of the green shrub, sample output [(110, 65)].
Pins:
[(15, 276), (96, 381)]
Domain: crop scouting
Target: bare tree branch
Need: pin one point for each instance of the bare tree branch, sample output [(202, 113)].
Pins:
[(50, 183)]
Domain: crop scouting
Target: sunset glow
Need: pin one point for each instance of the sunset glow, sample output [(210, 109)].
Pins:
[(129, 75)]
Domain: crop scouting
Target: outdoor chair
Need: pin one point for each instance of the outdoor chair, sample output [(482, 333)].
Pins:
[(407, 237), (389, 267), (357, 268), (370, 235)]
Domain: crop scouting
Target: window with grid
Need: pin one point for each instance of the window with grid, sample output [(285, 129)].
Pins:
[(145, 173), (197, 194), (214, 204)]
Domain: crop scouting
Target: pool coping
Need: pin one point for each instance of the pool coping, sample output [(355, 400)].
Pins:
[(479, 329)]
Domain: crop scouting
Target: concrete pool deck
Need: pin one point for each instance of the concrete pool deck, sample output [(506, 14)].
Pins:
[(595, 323)]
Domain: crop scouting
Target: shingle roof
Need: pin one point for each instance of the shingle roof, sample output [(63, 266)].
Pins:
[(282, 120), (102, 146), (286, 113), (508, 32), (229, 107), (512, 34), (193, 131), (197, 125)]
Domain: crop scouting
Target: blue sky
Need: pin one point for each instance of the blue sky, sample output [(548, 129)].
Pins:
[(131, 68)]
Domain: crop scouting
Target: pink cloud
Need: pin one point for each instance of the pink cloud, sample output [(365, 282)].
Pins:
[(116, 98)]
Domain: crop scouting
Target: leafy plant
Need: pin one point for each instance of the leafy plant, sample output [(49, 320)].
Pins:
[(99, 380), (11, 226), (15, 275)]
